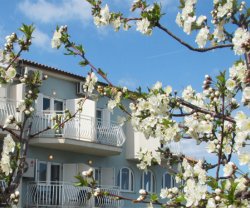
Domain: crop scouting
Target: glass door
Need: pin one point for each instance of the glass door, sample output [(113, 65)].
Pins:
[(55, 173), (48, 172)]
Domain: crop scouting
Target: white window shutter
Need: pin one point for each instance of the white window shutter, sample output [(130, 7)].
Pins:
[(82, 167), (20, 89), (3, 92), (108, 176), (84, 121), (69, 172), (71, 105), (106, 118), (39, 103), (88, 108)]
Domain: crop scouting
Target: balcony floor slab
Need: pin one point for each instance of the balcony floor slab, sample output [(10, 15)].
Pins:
[(78, 146)]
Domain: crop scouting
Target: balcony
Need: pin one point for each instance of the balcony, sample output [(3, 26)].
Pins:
[(8, 107), (82, 134), (62, 194)]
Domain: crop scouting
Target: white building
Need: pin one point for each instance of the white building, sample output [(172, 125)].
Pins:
[(92, 139)]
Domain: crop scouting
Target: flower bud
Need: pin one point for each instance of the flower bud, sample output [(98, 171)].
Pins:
[(17, 193), (217, 198), (217, 191), (12, 196)]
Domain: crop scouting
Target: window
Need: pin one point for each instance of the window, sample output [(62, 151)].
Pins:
[(99, 115), (42, 172), (46, 104), (103, 117), (168, 181), (48, 172), (52, 104), (148, 181), (97, 175), (58, 105), (126, 179)]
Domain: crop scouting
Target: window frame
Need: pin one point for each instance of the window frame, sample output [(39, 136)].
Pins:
[(52, 104), (131, 180), (48, 171), (152, 180), (172, 180)]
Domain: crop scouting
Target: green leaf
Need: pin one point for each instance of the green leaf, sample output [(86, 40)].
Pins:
[(167, 123), (102, 73), (80, 48), (27, 30), (139, 90), (248, 12), (182, 4), (180, 199), (231, 194), (212, 183), (92, 2), (154, 197), (83, 63), (82, 181)]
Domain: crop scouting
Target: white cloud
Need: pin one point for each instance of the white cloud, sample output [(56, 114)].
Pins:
[(165, 3), (191, 149), (128, 82), (45, 11), (166, 54), (169, 5), (41, 39), (129, 2)]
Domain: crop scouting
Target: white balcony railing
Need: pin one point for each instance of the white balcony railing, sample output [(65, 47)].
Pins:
[(109, 132), (8, 107), (61, 194), (80, 128)]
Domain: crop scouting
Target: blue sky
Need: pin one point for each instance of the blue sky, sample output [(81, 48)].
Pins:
[(129, 58)]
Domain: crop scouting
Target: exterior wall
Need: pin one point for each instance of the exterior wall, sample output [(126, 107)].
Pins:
[(137, 141), (116, 162), (66, 90)]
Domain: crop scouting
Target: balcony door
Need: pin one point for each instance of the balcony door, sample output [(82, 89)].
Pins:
[(52, 105), (49, 188), (103, 117), (103, 125), (48, 172)]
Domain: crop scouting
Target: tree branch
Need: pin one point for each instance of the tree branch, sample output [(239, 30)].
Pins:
[(61, 124), (11, 131), (222, 138), (182, 114), (189, 46), (202, 110), (15, 58)]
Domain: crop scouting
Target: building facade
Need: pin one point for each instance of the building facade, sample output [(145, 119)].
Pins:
[(91, 139)]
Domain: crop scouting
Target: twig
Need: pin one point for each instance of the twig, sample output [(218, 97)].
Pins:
[(202, 110), (61, 124), (189, 46), (222, 137), (11, 131), (15, 58)]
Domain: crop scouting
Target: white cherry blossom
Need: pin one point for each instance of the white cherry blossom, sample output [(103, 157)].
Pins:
[(143, 26)]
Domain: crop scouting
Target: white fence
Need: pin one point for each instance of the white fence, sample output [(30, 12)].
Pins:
[(8, 107), (80, 127), (61, 194)]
